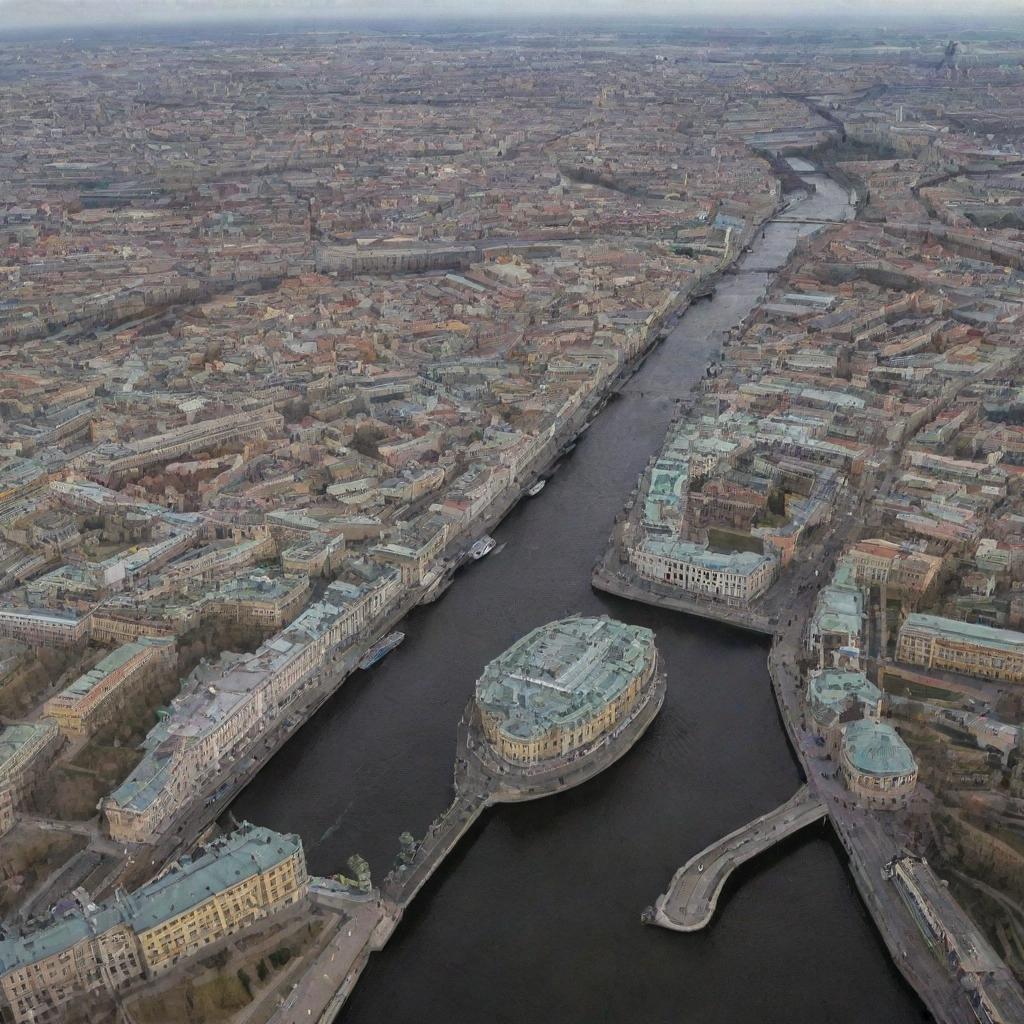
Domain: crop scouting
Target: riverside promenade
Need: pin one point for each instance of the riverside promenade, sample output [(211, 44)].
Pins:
[(623, 582), (691, 898)]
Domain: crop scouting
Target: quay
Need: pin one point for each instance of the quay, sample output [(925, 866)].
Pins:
[(690, 901), (632, 587)]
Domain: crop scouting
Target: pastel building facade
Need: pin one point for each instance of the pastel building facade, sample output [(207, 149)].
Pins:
[(563, 687), (736, 578), (984, 652), (92, 950), (877, 766)]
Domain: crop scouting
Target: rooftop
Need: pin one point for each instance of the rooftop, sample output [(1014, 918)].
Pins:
[(876, 749), (1008, 639), (223, 864), (743, 563), (562, 673)]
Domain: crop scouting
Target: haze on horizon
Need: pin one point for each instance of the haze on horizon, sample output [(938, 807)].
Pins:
[(18, 14)]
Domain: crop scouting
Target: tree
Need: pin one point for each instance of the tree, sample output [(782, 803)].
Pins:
[(365, 440)]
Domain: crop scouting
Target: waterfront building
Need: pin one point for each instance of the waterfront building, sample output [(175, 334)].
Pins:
[(222, 711), (877, 765), (981, 651), (25, 748), (736, 578), (94, 697), (994, 995), (837, 696), (103, 948), (564, 687)]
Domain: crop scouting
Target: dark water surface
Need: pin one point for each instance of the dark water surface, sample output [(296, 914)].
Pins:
[(536, 916)]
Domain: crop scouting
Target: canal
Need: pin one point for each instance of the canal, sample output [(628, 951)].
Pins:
[(536, 916)]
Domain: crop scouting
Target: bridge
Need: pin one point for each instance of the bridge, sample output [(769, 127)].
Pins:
[(693, 893)]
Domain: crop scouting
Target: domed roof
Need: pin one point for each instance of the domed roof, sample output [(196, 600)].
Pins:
[(875, 748)]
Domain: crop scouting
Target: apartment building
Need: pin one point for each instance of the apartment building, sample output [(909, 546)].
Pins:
[(103, 949), (25, 749), (259, 599), (876, 561), (94, 697), (222, 711), (42, 627)]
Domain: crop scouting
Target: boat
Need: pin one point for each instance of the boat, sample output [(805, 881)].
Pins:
[(435, 583), (536, 488), (484, 546), (385, 645), (436, 590)]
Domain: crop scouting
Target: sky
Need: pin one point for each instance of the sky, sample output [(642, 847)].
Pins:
[(26, 13)]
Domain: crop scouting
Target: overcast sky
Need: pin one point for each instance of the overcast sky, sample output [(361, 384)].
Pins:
[(21, 13)]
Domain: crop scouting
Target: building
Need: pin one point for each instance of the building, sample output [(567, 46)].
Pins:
[(223, 710), (562, 688), (835, 630), (877, 562), (259, 599), (25, 748), (980, 651), (111, 459), (991, 989), (94, 697), (736, 578), (103, 949), (876, 764), (837, 696), (45, 628)]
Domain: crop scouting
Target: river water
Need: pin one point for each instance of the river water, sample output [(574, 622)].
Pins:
[(536, 915)]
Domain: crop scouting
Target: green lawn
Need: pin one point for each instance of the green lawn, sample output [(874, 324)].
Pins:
[(919, 691), (732, 540)]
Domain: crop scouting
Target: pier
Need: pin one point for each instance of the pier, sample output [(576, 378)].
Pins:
[(689, 904)]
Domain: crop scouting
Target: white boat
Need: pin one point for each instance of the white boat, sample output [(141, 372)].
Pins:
[(484, 546), (536, 488), (384, 646)]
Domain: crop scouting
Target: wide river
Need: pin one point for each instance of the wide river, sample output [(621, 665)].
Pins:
[(535, 918)]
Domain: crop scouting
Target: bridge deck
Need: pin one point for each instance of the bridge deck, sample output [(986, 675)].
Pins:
[(692, 896)]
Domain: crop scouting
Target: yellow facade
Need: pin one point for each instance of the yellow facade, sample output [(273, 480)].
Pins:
[(223, 913)]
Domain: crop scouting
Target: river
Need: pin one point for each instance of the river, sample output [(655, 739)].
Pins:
[(536, 916)]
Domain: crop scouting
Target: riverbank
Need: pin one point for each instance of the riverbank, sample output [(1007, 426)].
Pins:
[(568, 872)]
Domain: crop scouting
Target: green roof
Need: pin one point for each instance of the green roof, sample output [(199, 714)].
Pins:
[(743, 563), (990, 636), (837, 687), (876, 749), (840, 605), (17, 735), (113, 661), (223, 864), (562, 674)]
